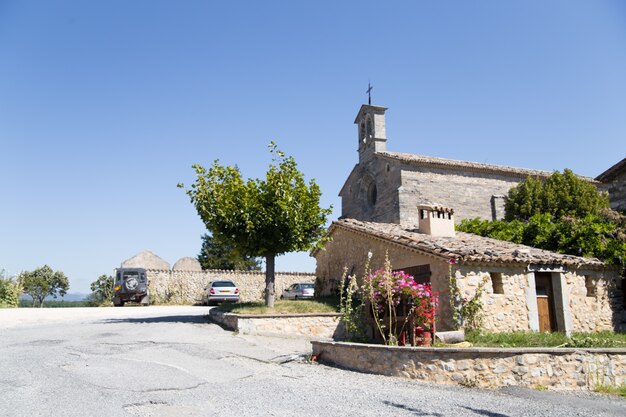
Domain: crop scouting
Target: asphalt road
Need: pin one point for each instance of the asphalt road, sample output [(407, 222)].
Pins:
[(168, 361)]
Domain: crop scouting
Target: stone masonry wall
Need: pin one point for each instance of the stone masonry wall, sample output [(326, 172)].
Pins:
[(187, 287), (354, 197), (468, 193), (591, 308), (401, 187), (558, 369), (501, 312), (617, 192), (319, 326)]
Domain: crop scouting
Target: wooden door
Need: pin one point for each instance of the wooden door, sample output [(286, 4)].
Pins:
[(545, 302)]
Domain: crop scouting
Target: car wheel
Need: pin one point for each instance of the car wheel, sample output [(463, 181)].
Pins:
[(296, 297)]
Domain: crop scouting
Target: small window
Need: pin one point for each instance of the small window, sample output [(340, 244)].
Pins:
[(387, 168), (496, 282), (372, 194), (591, 286)]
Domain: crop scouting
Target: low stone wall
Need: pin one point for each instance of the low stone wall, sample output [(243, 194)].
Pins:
[(558, 369), (187, 287), (318, 325)]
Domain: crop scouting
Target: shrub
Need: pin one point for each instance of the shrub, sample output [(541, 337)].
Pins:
[(10, 290)]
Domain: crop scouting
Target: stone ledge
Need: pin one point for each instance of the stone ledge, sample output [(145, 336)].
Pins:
[(311, 325), (509, 351), (281, 316), (552, 368)]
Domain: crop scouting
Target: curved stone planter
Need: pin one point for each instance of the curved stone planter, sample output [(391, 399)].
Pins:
[(559, 369), (318, 325)]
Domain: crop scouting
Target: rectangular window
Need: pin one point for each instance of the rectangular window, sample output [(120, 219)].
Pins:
[(421, 273), (590, 284), (496, 282)]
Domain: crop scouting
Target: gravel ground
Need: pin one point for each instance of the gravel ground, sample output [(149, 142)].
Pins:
[(168, 361)]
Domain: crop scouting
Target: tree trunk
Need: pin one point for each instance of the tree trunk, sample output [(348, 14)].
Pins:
[(269, 280)]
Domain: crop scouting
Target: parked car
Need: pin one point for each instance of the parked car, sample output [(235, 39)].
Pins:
[(301, 290), (131, 284), (221, 292)]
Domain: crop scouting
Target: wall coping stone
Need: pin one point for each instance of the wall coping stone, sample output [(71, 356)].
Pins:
[(273, 316), (510, 351), (231, 271)]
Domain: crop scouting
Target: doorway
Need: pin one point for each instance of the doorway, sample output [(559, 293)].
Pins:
[(545, 302)]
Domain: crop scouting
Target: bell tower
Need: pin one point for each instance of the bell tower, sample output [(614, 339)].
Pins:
[(371, 127)]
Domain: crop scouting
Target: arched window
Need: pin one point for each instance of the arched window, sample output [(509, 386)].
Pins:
[(372, 194)]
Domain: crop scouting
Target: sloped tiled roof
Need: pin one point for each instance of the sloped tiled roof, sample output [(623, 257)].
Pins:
[(464, 247), (466, 165), (612, 172)]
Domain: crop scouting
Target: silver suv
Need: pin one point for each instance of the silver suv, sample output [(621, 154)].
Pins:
[(131, 284)]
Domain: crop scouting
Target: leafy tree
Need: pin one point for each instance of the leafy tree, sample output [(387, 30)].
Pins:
[(564, 214), (216, 255), (561, 194), (102, 289), (10, 290), (260, 217), (43, 282)]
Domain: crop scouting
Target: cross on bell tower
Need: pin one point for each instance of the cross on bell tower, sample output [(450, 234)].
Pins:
[(371, 127)]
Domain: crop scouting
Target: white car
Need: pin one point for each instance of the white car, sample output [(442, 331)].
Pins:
[(221, 292), (299, 291)]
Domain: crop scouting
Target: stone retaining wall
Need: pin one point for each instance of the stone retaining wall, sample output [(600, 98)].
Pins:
[(558, 369), (318, 325), (187, 287)]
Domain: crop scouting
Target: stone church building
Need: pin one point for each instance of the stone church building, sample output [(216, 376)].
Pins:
[(405, 206)]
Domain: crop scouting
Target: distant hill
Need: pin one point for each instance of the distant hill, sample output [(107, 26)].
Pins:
[(72, 296)]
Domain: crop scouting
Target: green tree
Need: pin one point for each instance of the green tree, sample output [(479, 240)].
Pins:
[(43, 282), (260, 217), (560, 194), (217, 255), (102, 289), (562, 213), (10, 290)]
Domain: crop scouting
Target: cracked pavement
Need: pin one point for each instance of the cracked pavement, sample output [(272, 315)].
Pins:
[(169, 361)]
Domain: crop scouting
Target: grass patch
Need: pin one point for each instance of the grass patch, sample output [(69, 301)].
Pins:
[(611, 389), (56, 304), (603, 339), (322, 305)]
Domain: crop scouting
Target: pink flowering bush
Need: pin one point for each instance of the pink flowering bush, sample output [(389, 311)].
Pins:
[(396, 301)]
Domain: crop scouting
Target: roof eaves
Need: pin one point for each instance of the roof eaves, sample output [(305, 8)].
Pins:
[(610, 173)]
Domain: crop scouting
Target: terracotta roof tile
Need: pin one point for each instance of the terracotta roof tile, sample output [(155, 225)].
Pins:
[(464, 247)]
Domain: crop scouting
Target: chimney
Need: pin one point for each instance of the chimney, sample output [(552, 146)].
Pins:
[(436, 220)]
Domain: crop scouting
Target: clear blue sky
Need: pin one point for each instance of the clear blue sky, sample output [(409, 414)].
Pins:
[(105, 105)]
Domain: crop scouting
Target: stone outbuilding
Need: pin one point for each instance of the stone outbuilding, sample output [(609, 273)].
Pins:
[(524, 288)]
